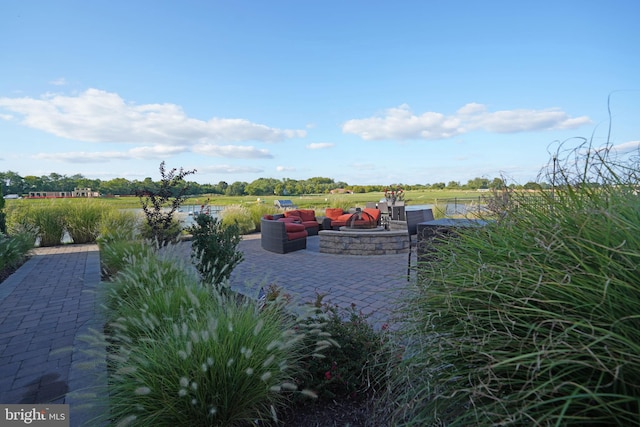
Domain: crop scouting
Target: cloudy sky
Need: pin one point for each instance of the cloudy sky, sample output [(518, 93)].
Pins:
[(367, 92)]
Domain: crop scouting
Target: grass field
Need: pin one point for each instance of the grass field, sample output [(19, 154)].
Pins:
[(311, 201)]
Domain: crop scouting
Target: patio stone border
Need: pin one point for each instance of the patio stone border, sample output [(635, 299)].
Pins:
[(364, 243)]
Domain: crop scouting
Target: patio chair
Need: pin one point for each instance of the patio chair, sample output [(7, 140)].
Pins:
[(413, 218), (384, 208)]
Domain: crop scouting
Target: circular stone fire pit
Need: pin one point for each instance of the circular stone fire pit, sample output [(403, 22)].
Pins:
[(364, 241)]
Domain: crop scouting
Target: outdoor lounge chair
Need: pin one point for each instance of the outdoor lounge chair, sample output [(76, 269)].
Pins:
[(281, 236), (413, 218)]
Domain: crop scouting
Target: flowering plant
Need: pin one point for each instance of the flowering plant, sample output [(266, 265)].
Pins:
[(355, 358), (394, 193)]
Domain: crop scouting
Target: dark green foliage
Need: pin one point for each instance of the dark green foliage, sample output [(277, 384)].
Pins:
[(3, 217), (161, 202), (354, 363), (13, 251), (214, 249)]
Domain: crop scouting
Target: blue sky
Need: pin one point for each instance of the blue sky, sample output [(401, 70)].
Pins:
[(367, 92)]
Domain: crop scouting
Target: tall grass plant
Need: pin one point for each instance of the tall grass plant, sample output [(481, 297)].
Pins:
[(533, 320), (240, 215), (14, 249), (184, 354), (83, 220), (258, 210)]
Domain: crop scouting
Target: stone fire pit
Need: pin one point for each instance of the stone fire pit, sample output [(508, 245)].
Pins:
[(364, 241)]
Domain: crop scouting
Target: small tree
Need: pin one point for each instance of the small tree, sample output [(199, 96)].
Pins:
[(159, 206), (214, 249)]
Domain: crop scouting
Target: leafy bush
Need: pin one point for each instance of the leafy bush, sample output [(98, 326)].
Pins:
[(164, 235), (159, 204), (355, 362), (533, 320), (236, 214), (214, 249)]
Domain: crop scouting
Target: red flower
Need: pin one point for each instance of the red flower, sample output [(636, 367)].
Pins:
[(327, 375)]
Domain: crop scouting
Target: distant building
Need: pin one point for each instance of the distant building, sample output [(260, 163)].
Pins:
[(77, 192)]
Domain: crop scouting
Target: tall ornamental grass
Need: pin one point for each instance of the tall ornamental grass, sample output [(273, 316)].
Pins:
[(83, 220), (183, 354), (258, 210), (237, 214), (13, 250), (534, 320), (49, 221)]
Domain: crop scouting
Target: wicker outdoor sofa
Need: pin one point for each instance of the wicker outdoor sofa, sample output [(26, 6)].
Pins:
[(282, 237)]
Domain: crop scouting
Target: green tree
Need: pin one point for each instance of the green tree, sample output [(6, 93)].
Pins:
[(236, 189), (261, 187)]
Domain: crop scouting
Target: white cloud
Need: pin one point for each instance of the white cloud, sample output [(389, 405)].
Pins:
[(320, 145), (145, 152), (59, 82), (285, 169), (228, 169), (99, 116), (83, 156), (401, 123), (232, 151), (626, 147)]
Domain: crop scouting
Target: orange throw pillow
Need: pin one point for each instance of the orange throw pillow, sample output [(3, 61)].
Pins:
[(333, 213)]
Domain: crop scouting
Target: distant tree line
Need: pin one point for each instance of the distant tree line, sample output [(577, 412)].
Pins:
[(16, 184)]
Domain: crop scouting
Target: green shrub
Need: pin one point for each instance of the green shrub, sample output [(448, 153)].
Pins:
[(14, 249), (160, 202), (227, 365), (164, 235), (355, 362), (533, 320), (236, 214), (214, 249)]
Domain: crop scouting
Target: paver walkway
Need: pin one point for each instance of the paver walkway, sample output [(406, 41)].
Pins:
[(370, 282), (51, 301)]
